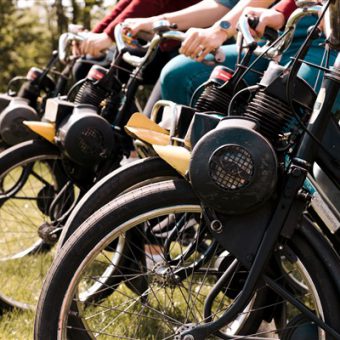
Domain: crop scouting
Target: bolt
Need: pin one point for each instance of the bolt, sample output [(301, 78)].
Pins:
[(176, 279), (216, 226), (189, 337)]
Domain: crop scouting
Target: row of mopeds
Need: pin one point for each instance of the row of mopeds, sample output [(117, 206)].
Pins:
[(227, 227)]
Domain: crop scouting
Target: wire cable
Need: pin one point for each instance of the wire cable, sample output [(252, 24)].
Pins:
[(295, 66)]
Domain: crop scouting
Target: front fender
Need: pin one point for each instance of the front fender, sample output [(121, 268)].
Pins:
[(145, 129), (43, 129)]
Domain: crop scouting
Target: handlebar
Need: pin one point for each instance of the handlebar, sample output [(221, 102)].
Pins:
[(269, 33), (125, 43), (162, 31), (244, 28), (64, 41), (281, 46), (290, 27)]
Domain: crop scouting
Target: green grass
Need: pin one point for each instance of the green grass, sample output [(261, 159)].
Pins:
[(21, 278), (17, 325)]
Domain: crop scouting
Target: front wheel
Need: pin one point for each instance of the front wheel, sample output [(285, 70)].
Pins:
[(162, 291)]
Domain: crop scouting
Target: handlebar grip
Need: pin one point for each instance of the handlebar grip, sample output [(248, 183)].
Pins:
[(133, 46), (269, 33), (219, 55)]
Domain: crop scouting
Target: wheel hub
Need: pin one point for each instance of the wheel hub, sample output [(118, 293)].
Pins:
[(165, 275), (48, 234), (182, 329)]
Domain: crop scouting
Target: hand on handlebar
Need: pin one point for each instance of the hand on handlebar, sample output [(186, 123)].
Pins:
[(266, 18), (75, 49), (199, 42), (135, 25), (95, 44)]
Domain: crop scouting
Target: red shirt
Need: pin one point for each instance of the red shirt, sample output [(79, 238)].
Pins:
[(138, 9), (286, 7)]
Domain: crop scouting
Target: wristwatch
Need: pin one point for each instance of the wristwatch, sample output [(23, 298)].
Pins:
[(224, 26)]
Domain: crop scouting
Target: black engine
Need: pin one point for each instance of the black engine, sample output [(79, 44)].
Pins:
[(12, 130), (85, 136), (234, 167)]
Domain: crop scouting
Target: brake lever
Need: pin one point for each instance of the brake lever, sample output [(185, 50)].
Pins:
[(269, 33)]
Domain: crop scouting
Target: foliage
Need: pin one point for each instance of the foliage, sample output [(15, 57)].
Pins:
[(28, 34)]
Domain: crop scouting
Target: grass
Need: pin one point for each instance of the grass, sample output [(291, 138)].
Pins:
[(21, 278), (17, 325)]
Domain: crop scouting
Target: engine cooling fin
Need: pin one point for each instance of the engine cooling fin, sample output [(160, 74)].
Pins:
[(213, 99), (273, 115), (90, 94)]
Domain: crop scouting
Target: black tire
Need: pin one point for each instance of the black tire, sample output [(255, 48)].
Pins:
[(31, 175), (133, 175), (57, 309), (126, 178)]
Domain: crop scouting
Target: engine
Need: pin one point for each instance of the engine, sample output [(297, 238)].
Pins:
[(234, 166), (86, 137), (218, 91), (12, 130)]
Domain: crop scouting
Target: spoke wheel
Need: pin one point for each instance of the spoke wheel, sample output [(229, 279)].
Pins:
[(157, 296), (160, 286), (30, 182)]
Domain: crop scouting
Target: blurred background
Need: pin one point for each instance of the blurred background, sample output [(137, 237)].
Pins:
[(29, 30)]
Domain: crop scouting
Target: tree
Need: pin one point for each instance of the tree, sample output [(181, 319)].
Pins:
[(75, 11), (62, 20), (88, 6), (23, 41), (29, 34)]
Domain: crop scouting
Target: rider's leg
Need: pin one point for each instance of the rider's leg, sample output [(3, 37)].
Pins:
[(182, 76)]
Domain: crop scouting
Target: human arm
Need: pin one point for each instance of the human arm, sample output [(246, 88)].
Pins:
[(286, 7), (202, 14), (200, 42), (95, 44), (104, 36), (274, 17), (140, 9), (110, 17)]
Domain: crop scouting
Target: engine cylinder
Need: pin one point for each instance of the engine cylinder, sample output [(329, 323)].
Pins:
[(90, 92), (213, 97), (218, 91), (273, 115)]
